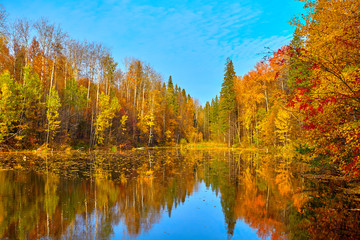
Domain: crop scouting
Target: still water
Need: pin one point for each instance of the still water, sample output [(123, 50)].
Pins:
[(171, 194)]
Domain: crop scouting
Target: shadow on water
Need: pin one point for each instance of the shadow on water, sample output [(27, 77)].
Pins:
[(87, 196)]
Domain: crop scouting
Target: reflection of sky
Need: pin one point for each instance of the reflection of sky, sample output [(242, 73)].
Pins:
[(194, 219), (189, 40)]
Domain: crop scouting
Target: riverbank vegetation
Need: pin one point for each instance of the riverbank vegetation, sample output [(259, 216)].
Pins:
[(304, 96), (57, 91)]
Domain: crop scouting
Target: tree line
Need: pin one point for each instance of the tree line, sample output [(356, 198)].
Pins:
[(57, 91)]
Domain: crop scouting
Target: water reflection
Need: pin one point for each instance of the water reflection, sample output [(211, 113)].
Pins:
[(92, 196)]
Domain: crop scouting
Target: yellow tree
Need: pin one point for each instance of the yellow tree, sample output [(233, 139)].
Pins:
[(107, 110), (249, 96), (52, 114)]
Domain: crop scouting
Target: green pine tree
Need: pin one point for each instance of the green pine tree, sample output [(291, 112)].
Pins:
[(170, 95), (299, 73), (214, 119), (227, 102)]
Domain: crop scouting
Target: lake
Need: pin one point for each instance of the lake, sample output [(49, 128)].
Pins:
[(172, 194)]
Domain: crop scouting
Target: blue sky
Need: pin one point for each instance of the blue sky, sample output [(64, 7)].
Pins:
[(189, 40)]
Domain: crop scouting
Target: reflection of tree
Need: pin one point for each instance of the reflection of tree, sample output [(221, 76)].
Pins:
[(260, 201), (19, 203), (83, 197), (332, 212), (51, 197), (283, 177), (221, 176)]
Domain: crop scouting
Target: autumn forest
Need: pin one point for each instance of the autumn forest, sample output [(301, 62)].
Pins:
[(57, 92)]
